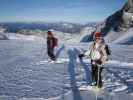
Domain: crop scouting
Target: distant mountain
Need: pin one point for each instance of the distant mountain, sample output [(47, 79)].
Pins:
[(2, 29), (66, 32), (60, 26)]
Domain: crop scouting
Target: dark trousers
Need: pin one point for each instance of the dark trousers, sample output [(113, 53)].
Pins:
[(96, 75), (50, 52)]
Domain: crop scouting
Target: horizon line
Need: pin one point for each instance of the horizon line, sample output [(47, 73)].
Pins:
[(51, 22)]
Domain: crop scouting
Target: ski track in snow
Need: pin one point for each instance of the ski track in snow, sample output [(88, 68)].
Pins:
[(25, 73)]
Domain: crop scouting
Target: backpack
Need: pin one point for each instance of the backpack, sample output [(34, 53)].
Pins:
[(107, 48), (55, 42)]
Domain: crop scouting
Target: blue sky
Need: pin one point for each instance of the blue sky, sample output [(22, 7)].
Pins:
[(78, 11)]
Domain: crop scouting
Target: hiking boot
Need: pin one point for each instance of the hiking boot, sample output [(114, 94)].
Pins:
[(93, 84)]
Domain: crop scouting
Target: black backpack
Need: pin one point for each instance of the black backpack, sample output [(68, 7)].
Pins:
[(107, 48)]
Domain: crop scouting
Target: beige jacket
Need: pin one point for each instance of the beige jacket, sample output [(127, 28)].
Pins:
[(101, 48)]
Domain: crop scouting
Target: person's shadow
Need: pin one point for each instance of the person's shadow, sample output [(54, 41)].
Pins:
[(87, 71), (86, 67), (59, 51), (71, 69)]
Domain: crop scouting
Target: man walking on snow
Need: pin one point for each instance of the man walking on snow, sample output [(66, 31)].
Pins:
[(51, 44), (98, 55)]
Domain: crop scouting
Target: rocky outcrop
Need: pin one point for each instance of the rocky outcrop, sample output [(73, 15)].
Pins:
[(127, 16), (122, 20)]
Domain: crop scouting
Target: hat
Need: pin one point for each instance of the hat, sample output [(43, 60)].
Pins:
[(50, 33), (98, 35)]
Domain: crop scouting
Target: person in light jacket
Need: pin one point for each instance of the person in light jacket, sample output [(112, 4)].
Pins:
[(98, 55)]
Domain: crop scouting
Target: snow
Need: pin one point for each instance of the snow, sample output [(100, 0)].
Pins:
[(14, 36), (125, 38), (63, 37), (67, 25), (78, 37), (121, 89), (122, 37), (86, 33), (24, 74), (3, 37)]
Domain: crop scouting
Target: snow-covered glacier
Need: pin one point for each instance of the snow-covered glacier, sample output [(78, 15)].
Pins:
[(24, 74)]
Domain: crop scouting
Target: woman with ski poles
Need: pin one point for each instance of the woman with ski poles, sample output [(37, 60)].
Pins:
[(98, 55)]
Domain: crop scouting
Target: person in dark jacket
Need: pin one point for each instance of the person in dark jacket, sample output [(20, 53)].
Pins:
[(50, 45)]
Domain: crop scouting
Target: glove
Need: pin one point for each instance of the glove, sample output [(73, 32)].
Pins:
[(99, 65), (81, 55)]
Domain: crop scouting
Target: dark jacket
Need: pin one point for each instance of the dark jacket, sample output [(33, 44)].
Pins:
[(50, 41)]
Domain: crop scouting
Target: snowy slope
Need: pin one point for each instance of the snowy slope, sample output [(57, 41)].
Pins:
[(86, 34), (83, 36), (120, 37), (23, 77), (3, 36), (15, 36), (127, 38)]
